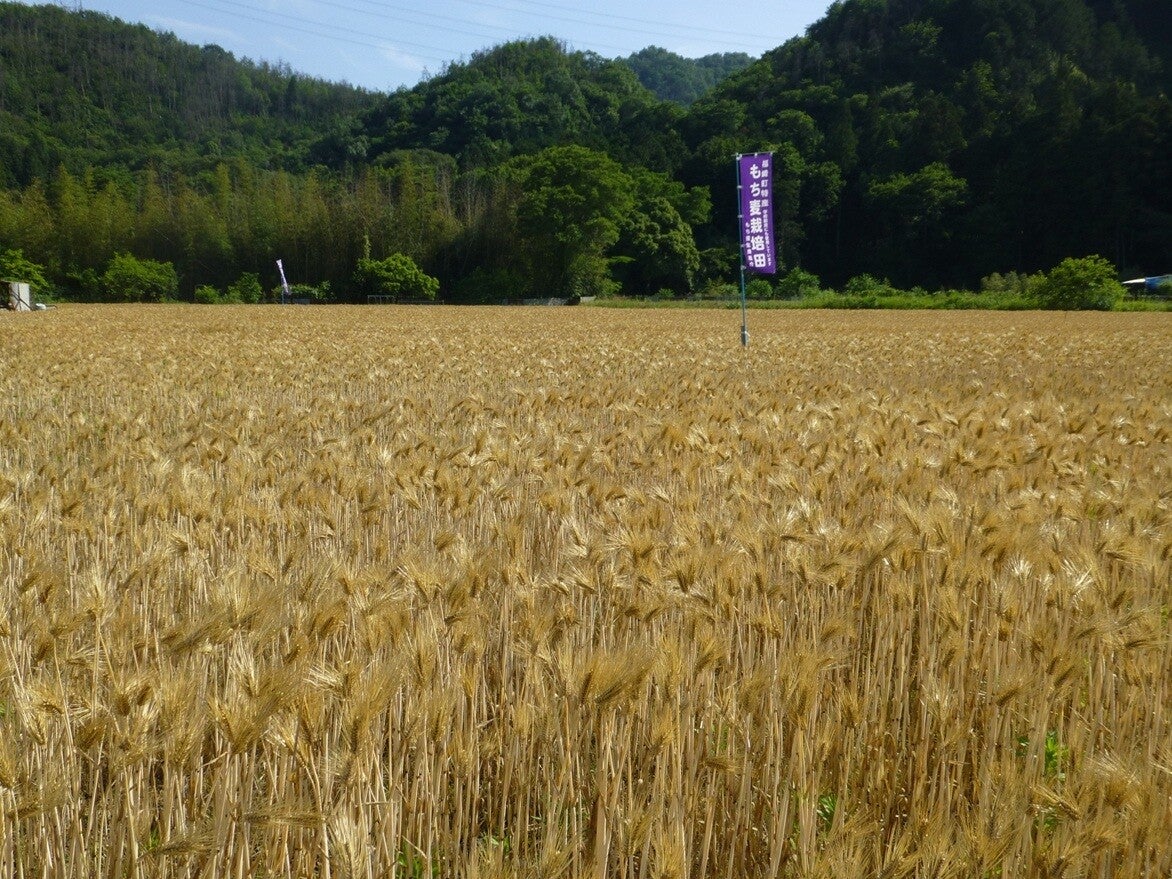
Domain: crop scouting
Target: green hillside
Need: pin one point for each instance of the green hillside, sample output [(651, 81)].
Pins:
[(521, 97), (936, 141), (81, 88), (672, 77)]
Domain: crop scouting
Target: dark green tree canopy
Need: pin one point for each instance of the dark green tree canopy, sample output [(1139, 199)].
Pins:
[(81, 88), (1054, 114), (514, 99), (572, 203), (672, 77)]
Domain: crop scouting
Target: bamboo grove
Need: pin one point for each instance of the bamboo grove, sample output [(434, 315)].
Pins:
[(214, 227), (360, 592)]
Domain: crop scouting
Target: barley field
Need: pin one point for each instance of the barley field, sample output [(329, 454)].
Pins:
[(428, 592)]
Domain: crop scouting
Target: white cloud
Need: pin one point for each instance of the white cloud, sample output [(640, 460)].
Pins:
[(402, 60), (192, 32)]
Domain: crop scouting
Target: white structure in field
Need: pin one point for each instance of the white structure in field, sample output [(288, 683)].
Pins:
[(20, 297)]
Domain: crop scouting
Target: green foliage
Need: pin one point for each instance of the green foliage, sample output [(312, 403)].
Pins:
[(865, 285), (205, 295), (413, 863), (918, 201), (717, 266), (1011, 282), (396, 276), (14, 267), (1089, 283), (797, 283), (1144, 305), (83, 88), (513, 99), (726, 292), (922, 196), (129, 279), (966, 137), (569, 214), (656, 246), (682, 80), (246, 288), (315, 294), (1055, 757), (588, 276), (759, 288), (825, 809)]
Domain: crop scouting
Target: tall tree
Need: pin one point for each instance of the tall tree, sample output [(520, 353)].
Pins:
[(569, 214)]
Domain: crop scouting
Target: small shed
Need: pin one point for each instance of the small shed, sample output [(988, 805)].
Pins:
[(20, 297)]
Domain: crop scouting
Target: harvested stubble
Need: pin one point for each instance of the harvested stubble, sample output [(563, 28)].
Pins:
[(427, 592)]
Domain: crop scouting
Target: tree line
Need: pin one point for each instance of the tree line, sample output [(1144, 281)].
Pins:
[(567, 219)]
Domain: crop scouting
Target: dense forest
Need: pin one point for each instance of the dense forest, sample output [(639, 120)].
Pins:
[(673, 77), (931, 142)]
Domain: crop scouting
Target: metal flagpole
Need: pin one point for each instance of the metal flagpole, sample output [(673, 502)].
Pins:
[(741, 250)]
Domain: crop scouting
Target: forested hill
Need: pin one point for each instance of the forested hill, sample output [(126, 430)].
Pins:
[(520, 97), (79, 87), (936, 140), (673, 77)]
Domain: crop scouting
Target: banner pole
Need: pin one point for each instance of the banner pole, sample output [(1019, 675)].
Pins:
[(744, 310), (741, 251), (286, 293)]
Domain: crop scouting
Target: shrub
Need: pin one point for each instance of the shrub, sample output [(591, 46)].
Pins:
[(721, 291), (716, 264), (1011, 283), (14, 267), (82, 285), (129, 279), (315, 293), (759, 288), (205, 295), (797, 284), (1089, 283), (866, 286), (246, 288), (397, 276)]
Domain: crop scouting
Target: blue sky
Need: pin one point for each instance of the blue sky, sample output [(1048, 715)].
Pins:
[(384, 45)]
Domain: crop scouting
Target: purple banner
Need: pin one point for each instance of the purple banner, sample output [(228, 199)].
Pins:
[(755, 182)]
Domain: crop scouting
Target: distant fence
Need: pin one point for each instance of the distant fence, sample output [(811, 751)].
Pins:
[(375, 299)]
